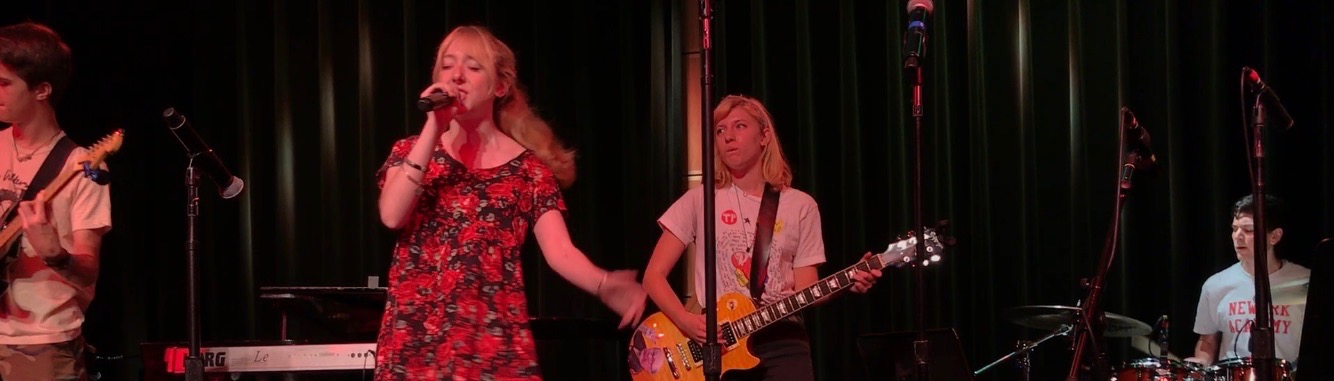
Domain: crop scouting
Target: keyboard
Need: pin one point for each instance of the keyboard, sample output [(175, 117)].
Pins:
[(276, 358)]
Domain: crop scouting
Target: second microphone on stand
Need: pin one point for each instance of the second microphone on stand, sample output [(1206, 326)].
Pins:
[(228, 185), (1138, 142), (914, 41)]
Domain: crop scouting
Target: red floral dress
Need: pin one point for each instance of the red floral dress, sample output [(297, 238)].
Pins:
[(456, 307)]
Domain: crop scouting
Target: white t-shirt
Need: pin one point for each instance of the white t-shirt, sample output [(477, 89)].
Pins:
[(39, 306), (1227, 305), (797, 239)]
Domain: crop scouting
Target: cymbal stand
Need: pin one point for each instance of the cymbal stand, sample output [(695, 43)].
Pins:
[(1023, 349)]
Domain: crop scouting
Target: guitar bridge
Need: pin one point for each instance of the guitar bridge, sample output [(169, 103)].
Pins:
[(684, 358)]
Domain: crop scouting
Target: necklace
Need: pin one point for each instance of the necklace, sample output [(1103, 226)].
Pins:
[(23, 158), (750, 244)]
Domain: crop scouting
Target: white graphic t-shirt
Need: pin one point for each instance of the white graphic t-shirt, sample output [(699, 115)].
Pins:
[(797, 238), (1227, 305), (40, 306)]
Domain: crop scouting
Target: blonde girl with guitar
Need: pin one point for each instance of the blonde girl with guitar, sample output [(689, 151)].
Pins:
[(748, 159)]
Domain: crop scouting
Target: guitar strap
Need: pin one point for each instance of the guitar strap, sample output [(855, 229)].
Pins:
[(55, 160), (764, 229), (50, 168), (48, 171)]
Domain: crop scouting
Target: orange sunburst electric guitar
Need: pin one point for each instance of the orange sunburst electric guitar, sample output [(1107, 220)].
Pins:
[(660, 352)]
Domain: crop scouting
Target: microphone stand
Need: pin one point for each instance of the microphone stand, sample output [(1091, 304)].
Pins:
[(194, 365), (1089, 325), (1262, 333), (712, 348), (1163, 325), (921, 347)]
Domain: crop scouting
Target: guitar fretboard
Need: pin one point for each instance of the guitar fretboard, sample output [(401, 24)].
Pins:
[(783, 308)]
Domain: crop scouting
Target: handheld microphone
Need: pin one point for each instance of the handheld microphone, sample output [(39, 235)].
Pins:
[(435, 101)]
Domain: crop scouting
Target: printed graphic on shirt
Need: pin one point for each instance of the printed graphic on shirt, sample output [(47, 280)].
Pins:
[(796, 240), (11, 190), (1241, 315)]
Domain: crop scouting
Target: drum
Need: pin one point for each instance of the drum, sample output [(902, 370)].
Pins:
[(1241, 369), (1158, 369)]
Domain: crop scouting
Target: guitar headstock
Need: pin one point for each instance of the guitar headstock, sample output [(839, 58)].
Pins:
[(105, 147), (904, 251)]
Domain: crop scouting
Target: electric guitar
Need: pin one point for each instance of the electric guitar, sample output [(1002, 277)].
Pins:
[(92, 160), (660, 352)]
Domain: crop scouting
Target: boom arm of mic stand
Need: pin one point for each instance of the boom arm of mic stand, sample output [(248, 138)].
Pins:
[(1063, 330)]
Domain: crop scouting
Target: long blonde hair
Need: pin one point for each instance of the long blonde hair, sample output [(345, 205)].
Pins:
[(773, 166), (513, 115)]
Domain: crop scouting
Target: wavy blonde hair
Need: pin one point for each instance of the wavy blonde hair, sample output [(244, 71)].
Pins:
[(513, 115), (773, 165)]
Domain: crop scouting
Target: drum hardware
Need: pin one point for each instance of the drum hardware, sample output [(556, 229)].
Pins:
[(1023, 349), (1053, 317)]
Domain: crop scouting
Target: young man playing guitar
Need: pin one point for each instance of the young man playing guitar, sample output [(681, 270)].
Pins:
[(50, 272), (749, 160)]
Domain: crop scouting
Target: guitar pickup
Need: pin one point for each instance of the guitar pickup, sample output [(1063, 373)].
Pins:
[(671, 362)]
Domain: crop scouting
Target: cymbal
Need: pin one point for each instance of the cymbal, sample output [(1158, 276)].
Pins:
[(1143, 344), (1293, 292), (1052, 317)]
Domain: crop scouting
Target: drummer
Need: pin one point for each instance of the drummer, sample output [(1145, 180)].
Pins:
[(1227, 306)]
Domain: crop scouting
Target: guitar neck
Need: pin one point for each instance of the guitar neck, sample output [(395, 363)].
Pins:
[(801, 300)]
